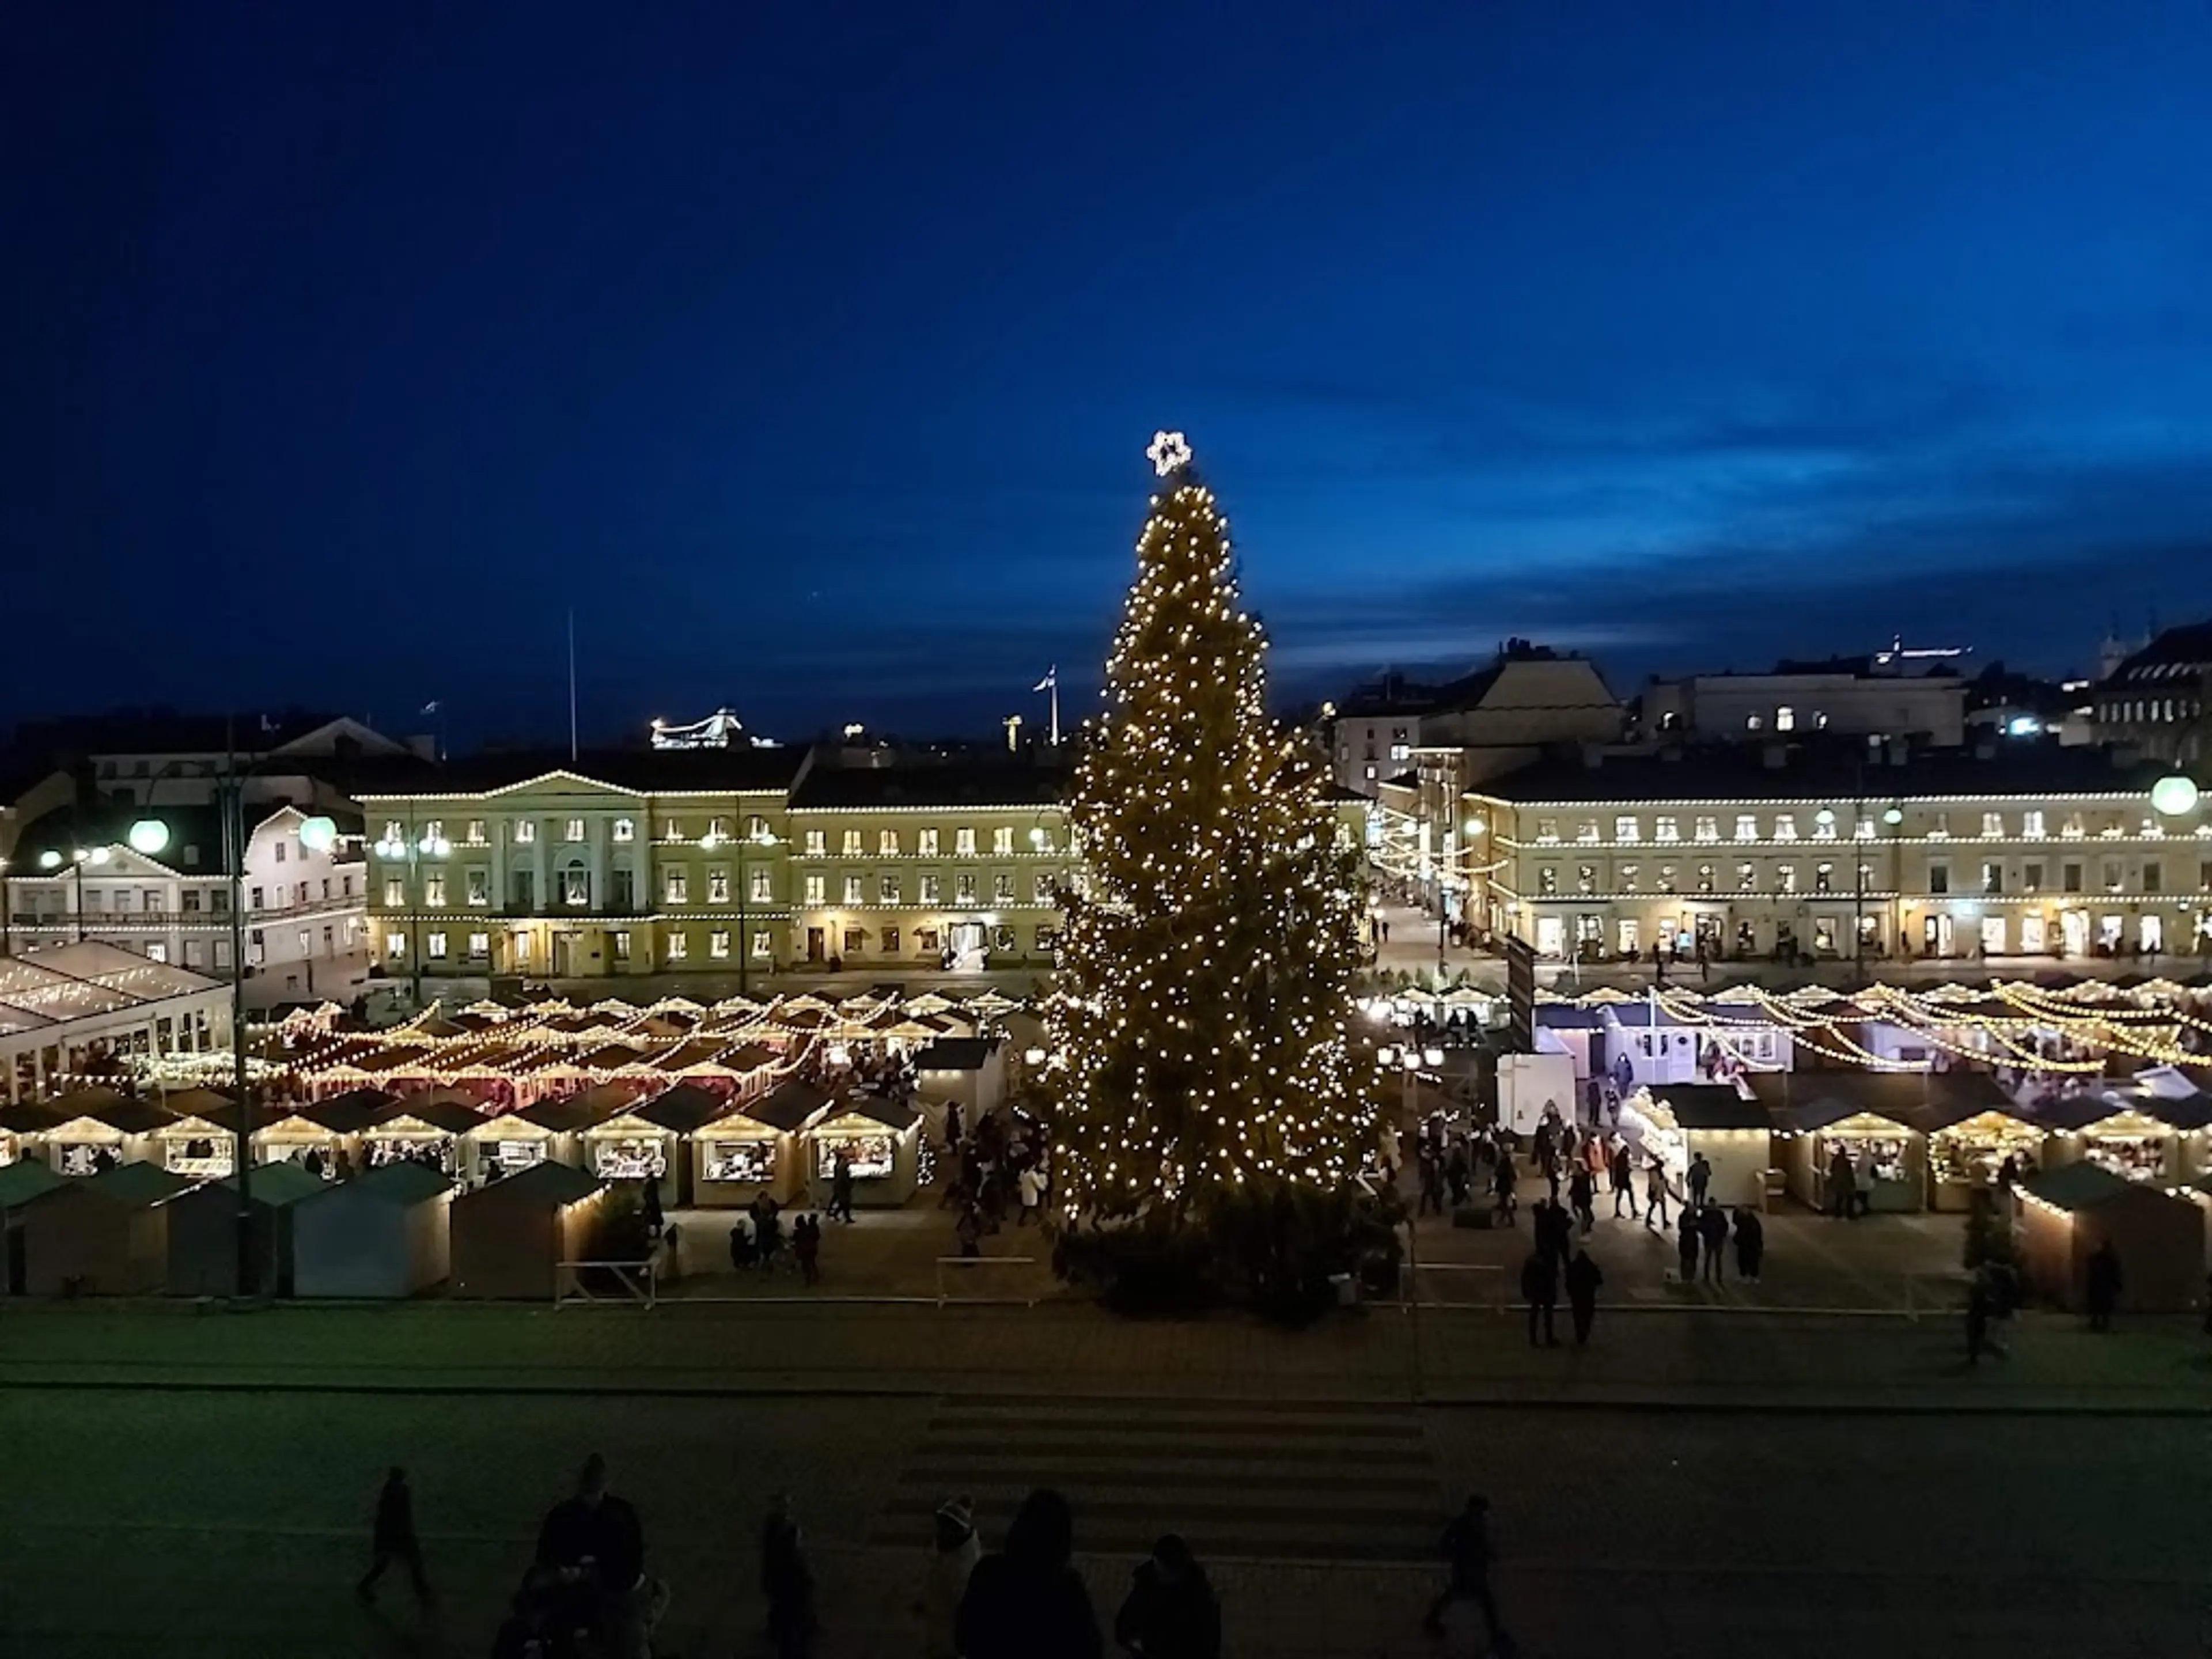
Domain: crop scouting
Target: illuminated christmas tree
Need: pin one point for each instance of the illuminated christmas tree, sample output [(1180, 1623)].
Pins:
[(1203, 1011)]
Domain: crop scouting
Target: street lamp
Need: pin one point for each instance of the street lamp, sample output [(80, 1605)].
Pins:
[(2173, 796)]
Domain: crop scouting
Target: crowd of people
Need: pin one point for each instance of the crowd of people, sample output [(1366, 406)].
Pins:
[(1000, 1168)]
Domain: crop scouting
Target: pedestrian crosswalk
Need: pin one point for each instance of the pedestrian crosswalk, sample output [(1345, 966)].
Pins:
[(1239, 1479)]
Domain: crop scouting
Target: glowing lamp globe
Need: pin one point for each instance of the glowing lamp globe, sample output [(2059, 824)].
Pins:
[(2170, 797), (1895, 815), (50, 860), (148, 835)]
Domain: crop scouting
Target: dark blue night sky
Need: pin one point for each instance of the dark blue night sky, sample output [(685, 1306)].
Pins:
[(809, 350)]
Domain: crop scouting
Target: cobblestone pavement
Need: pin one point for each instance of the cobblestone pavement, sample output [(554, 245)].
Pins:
[(193, 1525)]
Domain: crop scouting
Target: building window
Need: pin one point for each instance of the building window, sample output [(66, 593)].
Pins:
[(887, 889), (2115, 878), (1992, 877), (394, 831), (2031, 877), (2030, 825), (576, 887), (191, 901), (1625, 877), (924, 843), (1705, 878), (852, 843), (254, 901), (157, 952), (2153, 878), (1823, 877), (763, 945), (2072, 828), (434, 947), (525, 832), (1002, 841), (1753, 723), (1993, 823), (1585, 878), (887, 843), (963, 843), (1002, 887), (1627, 828), (855, 941), (1547, 832), (963, 888), (2204, 877), (1824, 825), (718, 944), (625, 828), (1863, 828), (480, 946), (672, 830), (763, 886), (1666, 877), (929, 889), (519, 951), (925, 941), (852, 890), (1785, 826), (1586, 832), (1785, 719), (675, 887), (1041, 888), (1939, 878), (679, 944), (279, 848), (1746, 827), (395, 946), (756, 828), (718, 831), (1708, 827), (1002, 939), (718, 885), (1785, 877), (479, 882), (1747, 876), (890, 941), (816, 890), (2069, 878), (433, 888), (1548, 880), (818, 843)]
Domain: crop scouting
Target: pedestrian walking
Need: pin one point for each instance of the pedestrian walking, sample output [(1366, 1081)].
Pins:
[(1594, 1096), (2101, 1285), (841, 1187), (1750, 1243), (1700, 1179), (787, 1580), (1582, 1198), (1027, 1601), (1030, 1182), (1540, 1288), (1584, 1277), (742, 1254), (1501, 1184), (1685, 1246), (1622, 1175), (1655, 1194), (1431, 1176), (952, 1558), (806, 1245), (1466, 1547), (1551, 1162), (1170, 1612), (969, 1232), (1843, 1186), (1459, 1174), (392, 1539), (952, 1125), (1713, 1234)]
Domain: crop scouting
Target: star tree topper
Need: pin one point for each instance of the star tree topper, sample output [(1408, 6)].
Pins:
[(1168, 451)]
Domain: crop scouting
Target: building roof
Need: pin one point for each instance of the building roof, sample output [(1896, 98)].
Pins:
[(448, 1115), (1822, 771), (789, 1106), (891, 1113), (2175, 658), (641, 770), (403, 1182), (133, 1117), (546, 1182), (1712, 1106), (1390, 694), (955, 1054), (30, 1117), (25, 1179), (592, 1106), (273, 1184), (683, 1108), (2079, 1186), (135, 1186), (951, 784), (351, 1113), (1805, 1101)]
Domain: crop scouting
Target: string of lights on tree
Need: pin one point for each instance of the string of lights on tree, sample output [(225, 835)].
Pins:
[(1201, 1022)]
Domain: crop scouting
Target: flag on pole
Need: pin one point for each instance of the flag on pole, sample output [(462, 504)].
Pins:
[(431, 707), (1050, 681)]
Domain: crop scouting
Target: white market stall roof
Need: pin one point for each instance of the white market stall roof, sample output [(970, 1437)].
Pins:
[(41, 989)]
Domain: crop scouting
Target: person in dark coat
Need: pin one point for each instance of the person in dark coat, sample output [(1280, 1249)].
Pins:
[(1540, 1288), (1466, 1546), (391, 1539), (952, 1123), (1621, 1172), (1432, 1200), (806, 1245), (648, 1198), (593, 1544), (742, 1254), (1559, 1224), (1171, 1612), (1685, 1245), (2101, 1285), (787, 1580), (1699, 1177), (1713, 1234), (1027, 1601), (1582, 1196), (1842, 1187), (1502, 1184), (1458, 1175), (1750, 1243), (1584, 1277), (841, 1187)]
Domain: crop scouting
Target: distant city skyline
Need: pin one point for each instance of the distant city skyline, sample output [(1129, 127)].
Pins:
[(810, 354)]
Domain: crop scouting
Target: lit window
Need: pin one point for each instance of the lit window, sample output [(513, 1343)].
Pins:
[(157, 952), (1627, 828), (1752, 722), (763, 886), (1547, 832), (625, 828), (1785, 877), (963, 843), (621, 939), (1586, 832), (2072, 828), (1746, 827), (718, 886), (1002, 887), (395, 892), (1993, 877), (576, 887), (672, 830), (963, 888), (1585, 878), (1666, 827), (1747, 876), (1993, 823), (929, 889), (852, 890), (887, 889), (718, 831), (525, 832), (718, 944), (395, 946), (1547, 879), (815, 890), (1823, 877), (1785, 719), (1708, 829), (756, 827), (675, 887), (1785, 826), (1704, 878), (1666, 877), (434, 947), (924, 843), (480, 946), (763, 946), (818, 843), (679, 946), (887, 843), (479, 886), (1627, 878), (433, 888), (1002, 839), (394, 831), (2030, 825)]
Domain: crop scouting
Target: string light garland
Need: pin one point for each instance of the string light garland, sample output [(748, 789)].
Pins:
[(1201, 1024)]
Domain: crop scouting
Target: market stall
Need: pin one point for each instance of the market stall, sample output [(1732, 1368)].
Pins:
[(2064, 1214), (510, 1238), (105, 1235), (102, 1129), (1867, 1115), (881, 1140), (203, 1231), (428, 1132), (1722, 1123), (504, 1144), (755, 1150), (680, 1112), (568, 1119), (23, 1129), (200, 1142), (382, 1235), (2094, 1128), (20, 1182), (970, 1072), (1967, 1149)]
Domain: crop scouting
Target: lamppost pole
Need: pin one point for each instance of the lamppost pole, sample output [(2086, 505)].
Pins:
[(233, 798)]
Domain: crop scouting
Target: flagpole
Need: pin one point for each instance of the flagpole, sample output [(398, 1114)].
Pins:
[(1055, 683), (572, 687)]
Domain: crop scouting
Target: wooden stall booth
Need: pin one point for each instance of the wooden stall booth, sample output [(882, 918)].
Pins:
[(203, 1231), (505, 1144), (23, 1129), (383, 1235), (880, 1138), (105, 1235), (429, 1129), (100, 1129), (200, 1142), (2117, 1135), (969, 1072), (510, 1238), (322, 1137), (1722, 1122), (21, 1181), (755, 1150), (569, 1118), (1865, 1115), (1973, 1133), (2063, 1214), (679, 1113)]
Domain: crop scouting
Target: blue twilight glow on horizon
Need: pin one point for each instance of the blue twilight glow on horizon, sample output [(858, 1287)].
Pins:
[(809, 354)]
